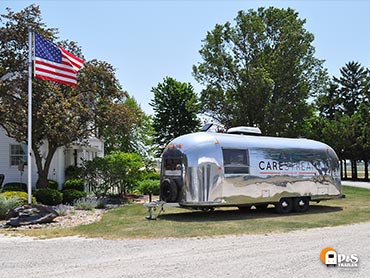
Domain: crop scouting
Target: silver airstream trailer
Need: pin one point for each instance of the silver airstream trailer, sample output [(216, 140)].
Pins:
[(206, 170)]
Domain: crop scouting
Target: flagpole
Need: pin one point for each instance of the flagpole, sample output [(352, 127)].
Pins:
[(29, 139)]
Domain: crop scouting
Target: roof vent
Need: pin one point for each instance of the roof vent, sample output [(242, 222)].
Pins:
[(245, 130)]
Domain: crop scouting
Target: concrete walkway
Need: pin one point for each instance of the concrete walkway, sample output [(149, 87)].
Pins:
[(357, 184)]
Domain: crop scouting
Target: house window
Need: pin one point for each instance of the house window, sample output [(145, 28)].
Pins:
[(18, 154), (236, 161)]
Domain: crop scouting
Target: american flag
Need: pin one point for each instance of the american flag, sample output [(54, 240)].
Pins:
[(55, 63)]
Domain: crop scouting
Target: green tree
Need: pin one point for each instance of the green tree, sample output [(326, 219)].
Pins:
[(132, 133), (354, 87), (175, 106), (61, 114), (329, 104), (261, 71), (344, 111), (117, 172)]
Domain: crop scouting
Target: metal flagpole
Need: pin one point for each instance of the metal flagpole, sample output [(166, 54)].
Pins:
[(29, 139)]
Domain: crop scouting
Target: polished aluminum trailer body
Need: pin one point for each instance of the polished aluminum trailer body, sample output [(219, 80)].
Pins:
[(208, 169)]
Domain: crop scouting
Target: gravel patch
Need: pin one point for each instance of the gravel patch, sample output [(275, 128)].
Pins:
[(71, 219), (293, 254)]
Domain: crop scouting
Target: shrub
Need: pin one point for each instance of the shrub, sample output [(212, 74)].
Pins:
[(77, 184), (62, 210), (6, 204), (117, 171), (150, 187), (22, 196), (15, 186), (152, 176), (85, 203), (52, 184), (70, 195), (73, 172), (48, 196)]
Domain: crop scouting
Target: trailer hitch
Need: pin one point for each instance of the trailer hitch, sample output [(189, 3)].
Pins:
[(152, 207)]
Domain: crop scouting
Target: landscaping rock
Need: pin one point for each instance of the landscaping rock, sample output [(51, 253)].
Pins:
[(30, 215)]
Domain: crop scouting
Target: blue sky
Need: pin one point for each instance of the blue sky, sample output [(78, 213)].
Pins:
[(148, 40)]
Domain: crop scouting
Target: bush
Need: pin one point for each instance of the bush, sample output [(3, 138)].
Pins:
[(6, 204), (22, 196), (73, 172), (48, 196), (150, 187), (152, 176), (52, 184), (117, 171), (15, 186), (70, 195), (62, 210), (77, 184), (85, 203)]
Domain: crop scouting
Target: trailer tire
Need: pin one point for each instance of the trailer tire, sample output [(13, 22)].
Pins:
[(301, 204), (285, 205), (168, 191)]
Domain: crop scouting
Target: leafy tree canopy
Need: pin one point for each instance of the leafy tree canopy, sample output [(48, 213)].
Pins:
[(175, 106), (260, 71), (61, 114)]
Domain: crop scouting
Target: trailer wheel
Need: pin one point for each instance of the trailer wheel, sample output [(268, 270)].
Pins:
[(301, 204), (207, 209), (285, 205), (168, 191)]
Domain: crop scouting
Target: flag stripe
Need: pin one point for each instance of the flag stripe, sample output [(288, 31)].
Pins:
[(70, 82), (61, 67), (48, 74), (49, 70), (52, 62), (76, 62)]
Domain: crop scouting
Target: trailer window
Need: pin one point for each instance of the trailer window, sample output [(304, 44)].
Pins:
[(236, 161), (173, 166)]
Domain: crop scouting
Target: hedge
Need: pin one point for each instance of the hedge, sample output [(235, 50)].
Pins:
[(48, 196), (15, 186)]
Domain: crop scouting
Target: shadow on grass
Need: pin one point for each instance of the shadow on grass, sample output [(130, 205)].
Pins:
[(230, 214)]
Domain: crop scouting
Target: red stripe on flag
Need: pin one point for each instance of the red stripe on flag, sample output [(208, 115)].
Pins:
[(56, 73), (54, 66), (74, 84)]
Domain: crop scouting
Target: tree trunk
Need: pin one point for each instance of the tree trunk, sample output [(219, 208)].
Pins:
[(43, 168), (354, 169), (345, 169), (366, 161)]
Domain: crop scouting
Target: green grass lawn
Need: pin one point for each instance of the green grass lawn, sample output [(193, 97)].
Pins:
[(130, 222)]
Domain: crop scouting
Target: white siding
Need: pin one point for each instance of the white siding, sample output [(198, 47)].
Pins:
[(11, 172), (61, 160)]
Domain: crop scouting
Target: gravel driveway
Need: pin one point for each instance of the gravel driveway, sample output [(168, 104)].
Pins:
[(295, 254)]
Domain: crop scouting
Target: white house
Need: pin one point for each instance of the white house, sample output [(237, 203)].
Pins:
[(12, 153)]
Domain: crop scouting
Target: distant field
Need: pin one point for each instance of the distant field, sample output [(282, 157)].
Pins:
[(360, 171)]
